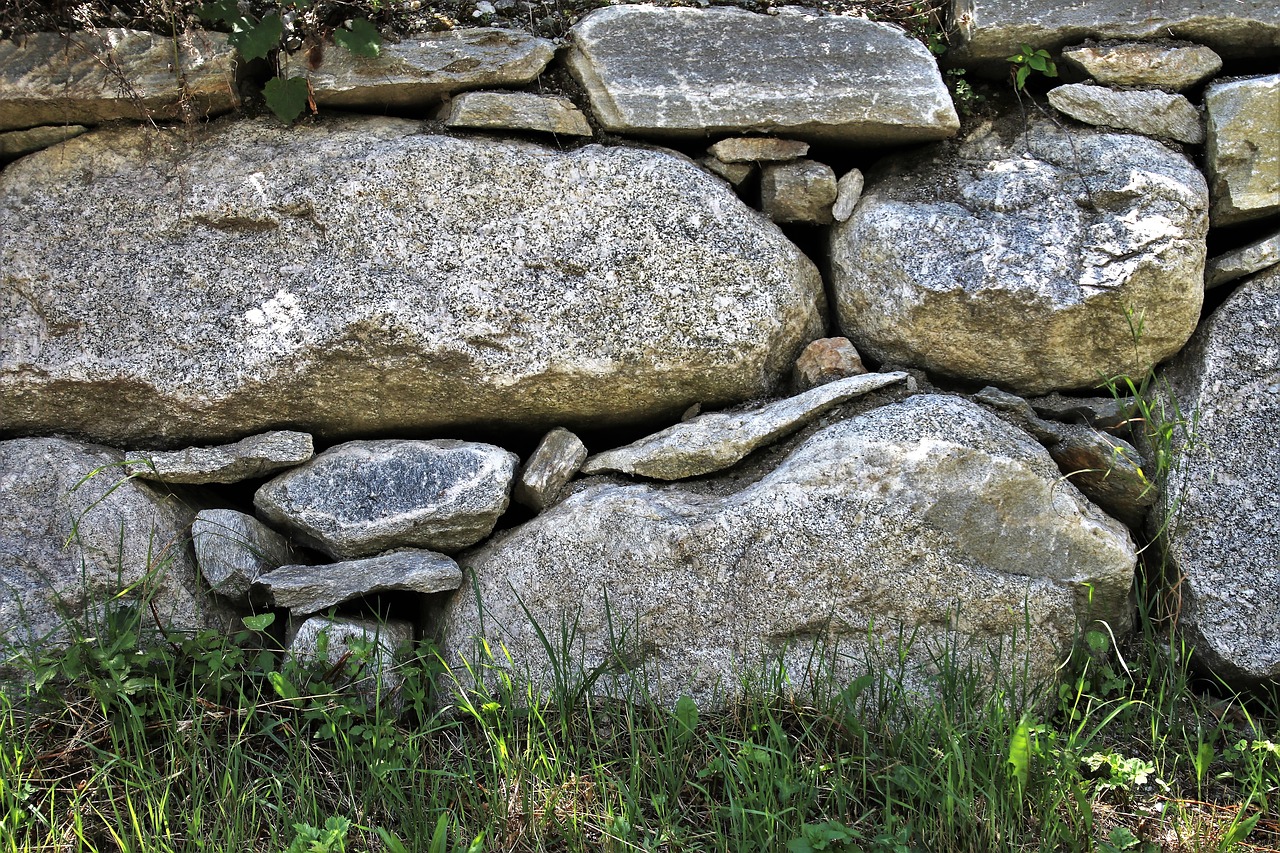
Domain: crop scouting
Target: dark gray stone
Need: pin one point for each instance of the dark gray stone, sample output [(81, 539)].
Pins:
[(19, 143), (255, 456), (359, 655), (309, 589), (233, 550)]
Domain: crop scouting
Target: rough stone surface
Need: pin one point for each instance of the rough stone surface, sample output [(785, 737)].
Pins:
[(517, 111), (1018, 255), (68, 546), (1223, 533), (800, 191), (103, 75), (1238, 263), (931, 517), (734, 173), (373, 674), (424, 68), (355, 276), (848, 192), (1242, 151), (364, 497), (826, 360), (309, 589), (19, 143), (1107, 413), (1108, 470), (683, 72), (758, 149), (712, 442), (544, 477), (1149, 112), (1173, 66), (984, 32), (255, 456), (233, 549)]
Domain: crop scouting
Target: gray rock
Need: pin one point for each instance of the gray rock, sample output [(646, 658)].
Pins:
[(1218, 504), (713, 442), (76, 533), (1024, 256), (930, 519), (102, 75), (1246, 260), (848, 192), (309, 589), (464, 282), (1108, 413), (680, 72), (517, 111), (758, 149), (233, 549), (544, 477), (19, 143), (985, 32), (255, 456), (734, 173), (826, 360), (424, 68), (1149, 112), (366, 655), (800, 191), (1242, 150), (365, 497), (1107, 470), (1172, 66)]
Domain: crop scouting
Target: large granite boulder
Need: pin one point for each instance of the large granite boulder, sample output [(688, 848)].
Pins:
[(1222, 531), (930, 518), (985, 32), (1242, 151), (76, 533), (681, 72), (103, 75), (358, 277), (1025, 256)]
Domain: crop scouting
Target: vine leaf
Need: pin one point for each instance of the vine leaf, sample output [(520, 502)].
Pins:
[(287, 96), (255, 41), (362, 39)]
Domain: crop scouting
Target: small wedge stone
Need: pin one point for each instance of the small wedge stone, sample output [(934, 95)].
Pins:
[(734, 173), (1149, 112), (309, 589), (516, 111), (848, 191), (255, 456), (1173, 66), (826, 360), (19, 143), (542, 480), (233, 550), (758, 149), (801, 191), (1241, 262)]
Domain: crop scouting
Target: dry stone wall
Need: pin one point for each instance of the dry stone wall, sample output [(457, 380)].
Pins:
[(696, 340)]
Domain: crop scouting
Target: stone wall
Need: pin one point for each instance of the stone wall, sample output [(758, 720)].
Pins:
[(704, 340)]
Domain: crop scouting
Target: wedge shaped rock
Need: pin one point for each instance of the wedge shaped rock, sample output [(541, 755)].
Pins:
[(930, 518), (308, 589), (545, 475), (1025, 257), (233, 550), (1219, 503), (1172, 66), (1242, 151), (681, 72), (19, 143), (713, 442), (1238, 263), (255, 456), (517, 111), (1151, 113), (358, 277), (365, 497)]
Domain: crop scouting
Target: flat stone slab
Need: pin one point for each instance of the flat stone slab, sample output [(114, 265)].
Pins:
[(681, 72), (109, 74), (1246, 260), (233, 550), (255, 456), (758, 149), (365, 497), (1173, 66), (423, 69), (985, 32), (1150, 112), (715, 441), (19, 143), (310, 589), (549, 469), (1242, 150), (517, 111)]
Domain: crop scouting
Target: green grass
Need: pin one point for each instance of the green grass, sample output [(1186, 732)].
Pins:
[(189, 745)]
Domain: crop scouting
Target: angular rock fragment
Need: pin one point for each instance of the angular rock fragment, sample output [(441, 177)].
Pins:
[(365, 497), (1107, 413), (848, 191), (365, 654), (734, 173), (359, 277), (1238, 263), (826, 360), (1172, 66), (543, 478), (1242, 150), (255, 456), (1218, 504), (930, 519), (103, 75), (758, 149), (517, 111), (800, 191), (423, 69), (233, 550), (1024, 255), (716, 441), (681, 72), (1151, 113), (1108, 470), (19, 143), (310, 589)]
